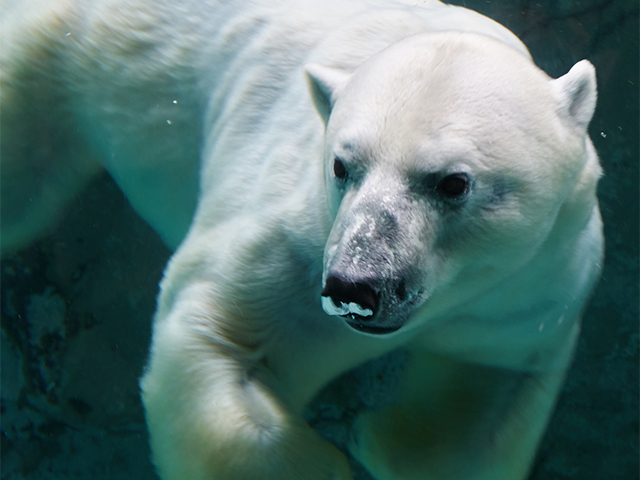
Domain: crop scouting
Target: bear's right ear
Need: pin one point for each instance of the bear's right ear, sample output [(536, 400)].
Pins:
[(577, 93), (325, 84)]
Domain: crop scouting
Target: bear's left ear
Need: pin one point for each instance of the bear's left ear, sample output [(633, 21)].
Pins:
[(577, 93), (325, 84)]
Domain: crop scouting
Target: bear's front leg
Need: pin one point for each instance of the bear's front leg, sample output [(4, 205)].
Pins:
[(210, 413)]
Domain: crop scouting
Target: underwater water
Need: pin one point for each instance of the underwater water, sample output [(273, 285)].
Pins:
[(77, 305)]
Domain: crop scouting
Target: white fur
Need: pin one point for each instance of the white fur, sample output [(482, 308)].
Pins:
[(254, 101)]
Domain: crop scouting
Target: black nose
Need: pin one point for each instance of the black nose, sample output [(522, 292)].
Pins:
[(342, 292)]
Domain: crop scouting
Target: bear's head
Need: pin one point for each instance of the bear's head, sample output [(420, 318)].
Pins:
[(448, 160)]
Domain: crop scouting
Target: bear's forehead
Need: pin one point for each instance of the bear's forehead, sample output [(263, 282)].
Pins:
[(457, 99), (437, 78)]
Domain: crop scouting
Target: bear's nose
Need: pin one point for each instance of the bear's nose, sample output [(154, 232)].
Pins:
[(355, 300)]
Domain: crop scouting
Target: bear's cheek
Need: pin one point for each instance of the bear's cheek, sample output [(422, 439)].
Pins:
[(336, 193), (334, 199), (487, 244)]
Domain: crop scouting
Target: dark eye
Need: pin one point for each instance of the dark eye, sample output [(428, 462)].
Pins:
[(454, 186), (339, 170)]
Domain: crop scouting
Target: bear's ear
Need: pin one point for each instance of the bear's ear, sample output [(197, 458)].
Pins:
[(325, 84), (577, 93)]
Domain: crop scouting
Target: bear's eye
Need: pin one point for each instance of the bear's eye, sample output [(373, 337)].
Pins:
[(339, 170), (454, 186)]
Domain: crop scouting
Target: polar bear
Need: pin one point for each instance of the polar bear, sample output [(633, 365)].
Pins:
[(372, 175)]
